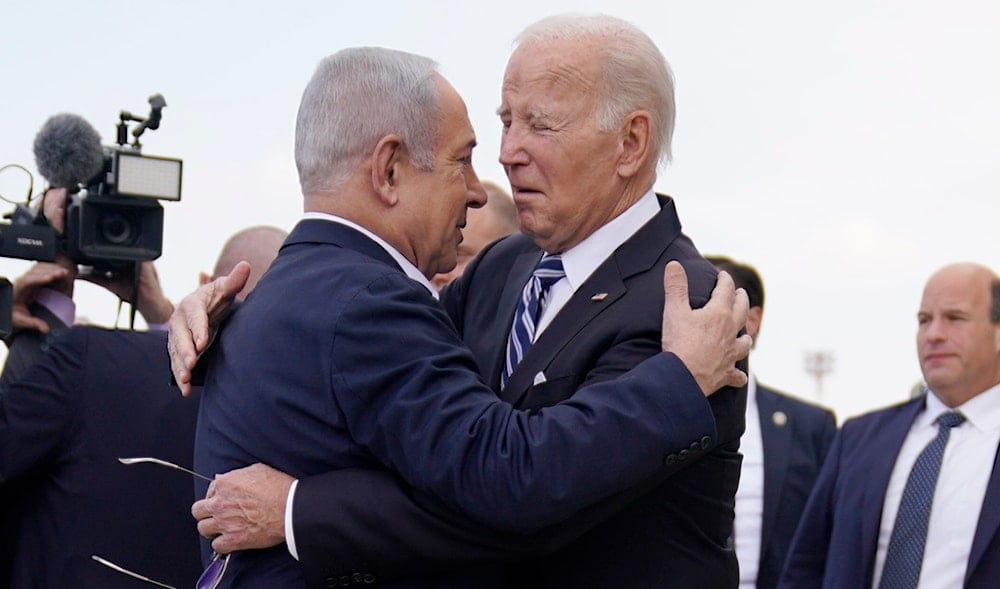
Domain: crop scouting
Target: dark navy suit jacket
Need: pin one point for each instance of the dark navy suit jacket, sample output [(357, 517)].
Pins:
[(338, 359), (836, 540), (671, 533), (796, 437), (95, 396)]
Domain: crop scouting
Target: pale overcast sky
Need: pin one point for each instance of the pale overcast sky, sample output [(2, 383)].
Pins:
[(846, 149)]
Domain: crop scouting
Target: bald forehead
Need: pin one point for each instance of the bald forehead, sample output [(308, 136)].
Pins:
[(960, 283)]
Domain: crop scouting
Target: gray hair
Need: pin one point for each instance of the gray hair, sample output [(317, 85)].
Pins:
[(356, 97), (635, 73)]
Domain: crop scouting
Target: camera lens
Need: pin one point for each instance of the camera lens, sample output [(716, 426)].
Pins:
[(117, 229)]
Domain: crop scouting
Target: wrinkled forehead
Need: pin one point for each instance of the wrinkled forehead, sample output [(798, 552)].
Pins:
[(573, 65)]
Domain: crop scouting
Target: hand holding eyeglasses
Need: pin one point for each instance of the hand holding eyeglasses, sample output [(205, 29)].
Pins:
[(244, 509), (216, 569)]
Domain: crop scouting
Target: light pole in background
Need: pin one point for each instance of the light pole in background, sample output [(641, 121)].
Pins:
[(819, 364)]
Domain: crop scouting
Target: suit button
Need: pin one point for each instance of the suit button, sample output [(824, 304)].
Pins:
[(356, 578), (345, 581), (683, 455), (672, 458), (331, 582), (369, 578), (706, 442), (695, 446)]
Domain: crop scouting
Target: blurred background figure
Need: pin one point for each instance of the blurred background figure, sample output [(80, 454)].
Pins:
[(783, 447), (496, 219)]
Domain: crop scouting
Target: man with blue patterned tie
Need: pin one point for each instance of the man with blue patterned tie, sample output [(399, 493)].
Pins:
[(366, 369), (907, 496), (587, 108)]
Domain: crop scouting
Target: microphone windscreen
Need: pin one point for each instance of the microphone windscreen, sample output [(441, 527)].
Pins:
[(68, 151)]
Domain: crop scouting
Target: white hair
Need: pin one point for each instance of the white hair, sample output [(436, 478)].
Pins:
[(635, 73), (356, 97)]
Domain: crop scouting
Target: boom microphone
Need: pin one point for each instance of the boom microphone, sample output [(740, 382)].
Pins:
[(68, 151)]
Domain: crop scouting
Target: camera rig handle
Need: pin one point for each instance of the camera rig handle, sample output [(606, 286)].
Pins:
[(156, 104)]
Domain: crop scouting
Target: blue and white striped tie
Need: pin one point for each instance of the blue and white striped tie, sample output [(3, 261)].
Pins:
[(522, 333)]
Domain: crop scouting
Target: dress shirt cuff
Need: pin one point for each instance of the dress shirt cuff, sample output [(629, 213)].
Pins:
[(289, 533), (60, 305)]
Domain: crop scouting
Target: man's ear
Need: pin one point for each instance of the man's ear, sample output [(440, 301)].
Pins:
[(387, 165), (754, 318), (636, 143)]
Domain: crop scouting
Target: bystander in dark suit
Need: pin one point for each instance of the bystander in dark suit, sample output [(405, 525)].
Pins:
[(848, 533), (783, 449), (94, 396), (419, 406)]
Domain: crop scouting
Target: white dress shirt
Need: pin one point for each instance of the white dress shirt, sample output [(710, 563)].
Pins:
[(410, 271), (581, 260), (965, 472), (750, 493)]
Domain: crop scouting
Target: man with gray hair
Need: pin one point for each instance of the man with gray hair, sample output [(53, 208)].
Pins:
[(343, 358)]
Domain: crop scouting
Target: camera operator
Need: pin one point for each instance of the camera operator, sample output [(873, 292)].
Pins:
[(43, 297), (94, 396)]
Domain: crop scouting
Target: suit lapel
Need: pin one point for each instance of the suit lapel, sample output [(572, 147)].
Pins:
[(572, 318), (520, 272), (776, 436), (638, 254), (989, 519), (889, 438)]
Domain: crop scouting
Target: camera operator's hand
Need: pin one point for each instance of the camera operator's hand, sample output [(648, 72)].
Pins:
[(57, 277), (153, 305), (193, 323), (54, 208)]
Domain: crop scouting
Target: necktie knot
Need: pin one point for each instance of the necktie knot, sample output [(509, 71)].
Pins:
[(549, 271), (950, 419)]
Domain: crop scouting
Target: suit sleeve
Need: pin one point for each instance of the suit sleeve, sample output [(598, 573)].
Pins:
[(355, 519), (27, 347), (39, 413), (507, 469), (805, 565)]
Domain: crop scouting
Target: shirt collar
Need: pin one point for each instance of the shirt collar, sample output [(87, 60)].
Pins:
[(751, 390), (580, 261), (405, 264), (981, 411)]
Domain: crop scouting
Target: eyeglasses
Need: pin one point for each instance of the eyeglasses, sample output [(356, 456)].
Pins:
[(216, 569)]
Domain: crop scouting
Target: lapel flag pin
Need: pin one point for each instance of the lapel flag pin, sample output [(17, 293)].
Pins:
[(599, 297), (779, 418)]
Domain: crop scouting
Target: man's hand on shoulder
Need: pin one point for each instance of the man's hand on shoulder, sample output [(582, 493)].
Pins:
[(706, 339), (193, 322)]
